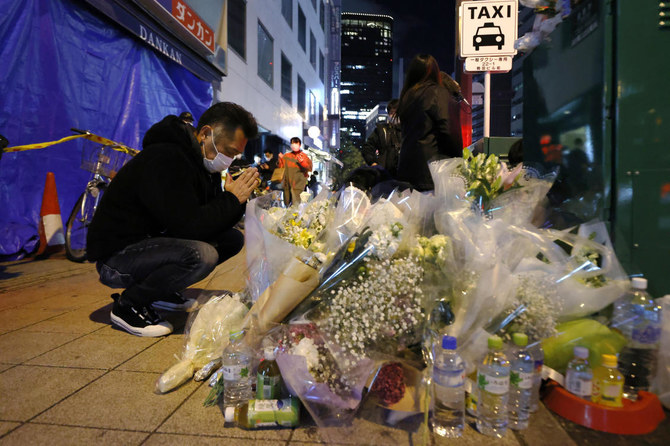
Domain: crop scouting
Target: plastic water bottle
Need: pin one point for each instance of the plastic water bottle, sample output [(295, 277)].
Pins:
[(538, 356), (579, 376), (236, 364), (522, 367), (639, 318), (448, 418), (493, 390)]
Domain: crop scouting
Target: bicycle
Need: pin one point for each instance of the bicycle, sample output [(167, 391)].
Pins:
[(103, 162)]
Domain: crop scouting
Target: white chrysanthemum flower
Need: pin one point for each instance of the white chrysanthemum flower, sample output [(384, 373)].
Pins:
[(308, 349)]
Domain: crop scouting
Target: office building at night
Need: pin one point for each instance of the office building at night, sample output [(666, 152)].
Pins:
[(367, 69)]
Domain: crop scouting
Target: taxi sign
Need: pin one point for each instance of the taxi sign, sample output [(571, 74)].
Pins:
[(488, 28)]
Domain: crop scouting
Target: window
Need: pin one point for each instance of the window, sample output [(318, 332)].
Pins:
[(301, 96), (322, 16), (322, 66), (237, 29), (286, 77), (312, 49), (265, 55), (287, 11), (302, 29)]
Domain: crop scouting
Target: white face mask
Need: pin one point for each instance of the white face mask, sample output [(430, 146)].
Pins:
[(220, 162)]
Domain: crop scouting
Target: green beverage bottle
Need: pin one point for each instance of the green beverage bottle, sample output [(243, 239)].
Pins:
[(268, 382)]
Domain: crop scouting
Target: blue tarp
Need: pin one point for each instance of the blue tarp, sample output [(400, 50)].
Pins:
[(64, 65)]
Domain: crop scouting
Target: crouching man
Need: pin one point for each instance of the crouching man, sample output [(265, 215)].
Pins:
[(165, 222)]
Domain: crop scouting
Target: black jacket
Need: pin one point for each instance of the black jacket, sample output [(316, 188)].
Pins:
[(266, 174), (383, 146), (165, 191), (424, 118)]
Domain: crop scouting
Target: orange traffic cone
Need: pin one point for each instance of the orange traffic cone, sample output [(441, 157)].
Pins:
[(50, 229)]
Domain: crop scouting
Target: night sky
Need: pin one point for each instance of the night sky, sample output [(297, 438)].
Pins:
[(419, 26)]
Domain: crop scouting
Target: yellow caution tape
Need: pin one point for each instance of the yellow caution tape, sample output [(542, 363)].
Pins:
[(90, 136)]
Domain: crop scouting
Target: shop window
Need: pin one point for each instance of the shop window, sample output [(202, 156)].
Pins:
[(237, 29), (265, 55)]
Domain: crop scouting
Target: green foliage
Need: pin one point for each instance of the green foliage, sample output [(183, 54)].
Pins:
[(350, 156), (215, 394), (485, 177)]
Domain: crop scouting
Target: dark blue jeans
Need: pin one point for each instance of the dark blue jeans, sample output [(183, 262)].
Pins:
[(157, 267)]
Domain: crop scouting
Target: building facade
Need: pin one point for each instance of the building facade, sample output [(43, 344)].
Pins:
[(280, 69), (367, 69), (526, 19)]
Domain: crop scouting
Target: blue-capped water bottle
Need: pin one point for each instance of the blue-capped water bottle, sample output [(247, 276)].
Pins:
[(448, 418)]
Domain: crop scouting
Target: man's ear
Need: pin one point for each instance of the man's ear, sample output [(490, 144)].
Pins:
[(203, 133)]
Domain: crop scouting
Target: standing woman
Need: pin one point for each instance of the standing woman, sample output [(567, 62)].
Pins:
[(424, 118)]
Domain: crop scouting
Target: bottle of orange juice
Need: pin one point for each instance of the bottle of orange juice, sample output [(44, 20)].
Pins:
[(608, 383)]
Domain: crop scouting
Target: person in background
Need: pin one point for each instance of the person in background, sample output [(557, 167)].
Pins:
[(165, 222), (268, 167), (424, 118), (297, 167), (187, 117), (383, 145), (313, 184)]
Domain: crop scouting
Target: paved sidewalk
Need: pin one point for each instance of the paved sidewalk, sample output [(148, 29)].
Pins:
[(68, 377)]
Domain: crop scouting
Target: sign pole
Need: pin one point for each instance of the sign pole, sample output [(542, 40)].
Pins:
[(487, 104)]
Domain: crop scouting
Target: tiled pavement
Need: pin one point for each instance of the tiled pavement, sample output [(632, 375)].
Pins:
[(67, 377)]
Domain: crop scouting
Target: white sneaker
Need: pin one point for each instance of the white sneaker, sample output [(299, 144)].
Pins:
[(140, 321)]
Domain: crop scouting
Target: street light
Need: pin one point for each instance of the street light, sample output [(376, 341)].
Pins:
[(313, 132)]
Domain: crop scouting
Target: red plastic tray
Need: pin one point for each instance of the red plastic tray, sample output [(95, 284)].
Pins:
[(634, 418)]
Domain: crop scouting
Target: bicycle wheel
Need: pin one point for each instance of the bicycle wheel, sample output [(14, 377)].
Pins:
[(77, 224)]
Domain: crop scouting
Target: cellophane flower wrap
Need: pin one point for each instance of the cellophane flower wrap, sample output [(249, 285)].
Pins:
[(490, 186), (274, 235), (207, 334), (368, 307), (511, 276), (303, 228), (329, 387)]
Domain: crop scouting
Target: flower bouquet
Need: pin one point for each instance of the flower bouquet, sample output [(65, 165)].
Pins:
[(275, 235), (299, 275), (490, 187), (329, 386), (207, 334)]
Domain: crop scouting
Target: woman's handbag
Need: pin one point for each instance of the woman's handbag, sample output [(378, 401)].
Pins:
[(277, 175)]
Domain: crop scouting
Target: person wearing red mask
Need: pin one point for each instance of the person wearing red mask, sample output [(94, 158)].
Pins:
[(297, 167)]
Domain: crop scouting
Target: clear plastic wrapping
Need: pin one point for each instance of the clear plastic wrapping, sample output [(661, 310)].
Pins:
[(207, 333)]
